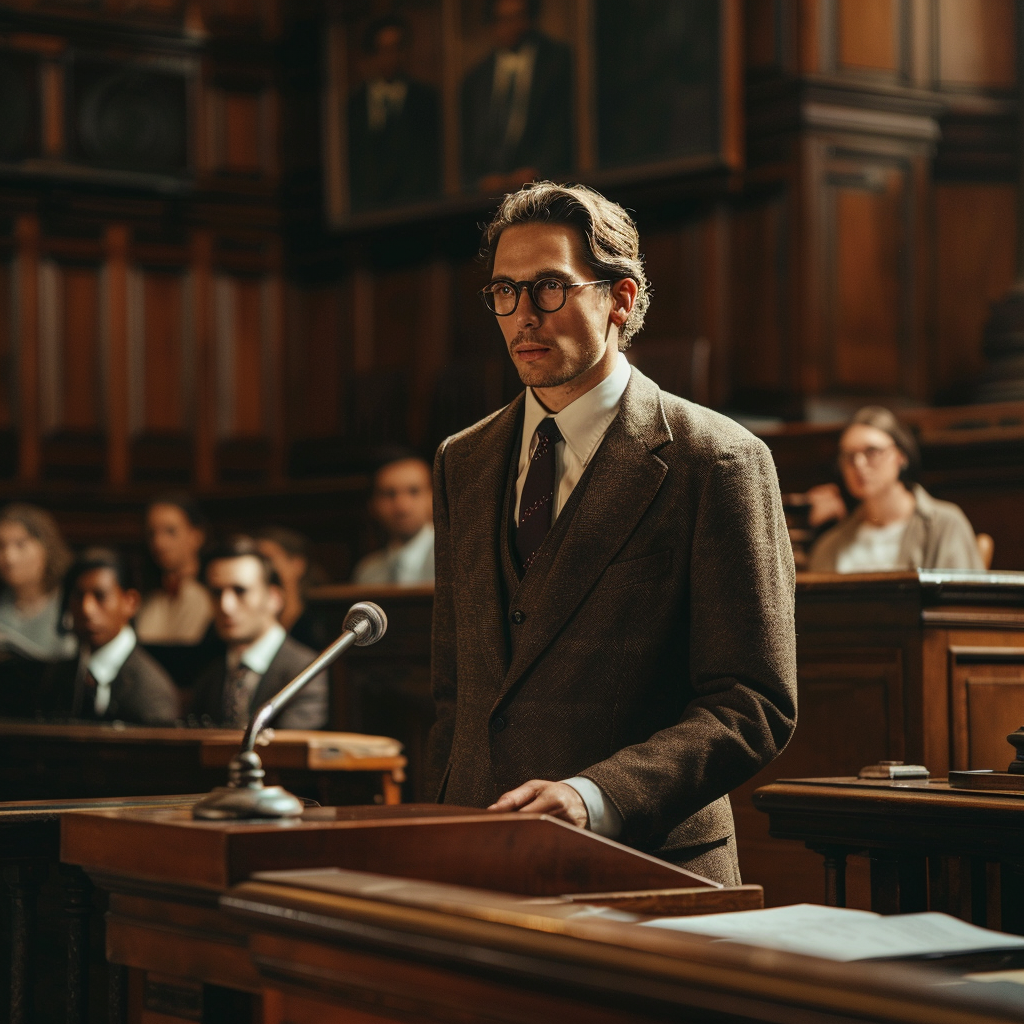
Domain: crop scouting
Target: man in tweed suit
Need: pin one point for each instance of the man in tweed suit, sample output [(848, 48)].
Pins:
[(613, 636)]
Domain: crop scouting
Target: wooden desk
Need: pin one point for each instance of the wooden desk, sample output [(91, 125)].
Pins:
[(40, 761), (930, 847), (29, 857), (923, 667), (330, 946), (165, 874)]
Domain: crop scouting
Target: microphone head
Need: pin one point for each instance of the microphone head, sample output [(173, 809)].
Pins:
[(368, 621)]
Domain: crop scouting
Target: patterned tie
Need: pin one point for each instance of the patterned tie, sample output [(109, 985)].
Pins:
[(237, 695), (537, 502)]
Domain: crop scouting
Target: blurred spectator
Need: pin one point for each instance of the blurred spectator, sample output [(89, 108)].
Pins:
[(896, 524), (33, 558), (288, 552), (112, 678), (402, 503), (261, 658), (179, 611)]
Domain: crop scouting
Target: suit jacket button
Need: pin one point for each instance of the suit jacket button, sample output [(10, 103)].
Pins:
[(498, 724), (518, 617)]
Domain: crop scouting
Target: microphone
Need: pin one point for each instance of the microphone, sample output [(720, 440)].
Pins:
[(245, 796)]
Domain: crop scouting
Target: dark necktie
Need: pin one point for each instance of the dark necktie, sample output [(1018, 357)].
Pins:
[(537, 502)]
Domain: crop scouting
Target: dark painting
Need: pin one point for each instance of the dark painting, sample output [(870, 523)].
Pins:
[(19, 105), (394, 118), (658, 74), (517, 101)]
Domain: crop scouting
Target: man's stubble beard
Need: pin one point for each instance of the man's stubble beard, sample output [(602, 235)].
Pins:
[(534, 377)]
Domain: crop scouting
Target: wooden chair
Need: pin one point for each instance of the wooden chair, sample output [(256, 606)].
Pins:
[(986, 548)]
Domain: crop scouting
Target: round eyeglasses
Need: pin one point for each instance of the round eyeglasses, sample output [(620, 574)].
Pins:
[(547, 293)]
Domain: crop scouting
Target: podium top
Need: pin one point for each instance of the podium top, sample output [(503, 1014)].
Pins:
[(525, 854)]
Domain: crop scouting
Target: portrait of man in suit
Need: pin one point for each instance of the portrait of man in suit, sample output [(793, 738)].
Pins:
[(613, 636), (517, 103), (260, 657), (394, 129)]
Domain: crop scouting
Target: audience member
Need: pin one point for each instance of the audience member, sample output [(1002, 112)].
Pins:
[(261, 658), (33, 558), (112, 678), (179, 611), (896, 524), (402, 503), (288, 552)]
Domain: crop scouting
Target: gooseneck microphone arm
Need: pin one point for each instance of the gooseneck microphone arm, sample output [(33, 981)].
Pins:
[(245, 796)]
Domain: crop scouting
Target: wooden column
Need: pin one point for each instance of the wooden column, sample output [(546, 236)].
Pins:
[(205, 383), (27, 236), (116, 298)]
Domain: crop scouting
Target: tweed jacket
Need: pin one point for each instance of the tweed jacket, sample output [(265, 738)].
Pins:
[(650, 647), (306, 711), (141, 693), (938, 536)]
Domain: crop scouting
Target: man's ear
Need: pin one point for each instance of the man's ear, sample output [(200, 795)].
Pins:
[(623, 293), (132, 602), (276, 600)]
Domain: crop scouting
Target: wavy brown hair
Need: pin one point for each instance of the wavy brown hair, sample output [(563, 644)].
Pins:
[(612, 248), (39, 524)]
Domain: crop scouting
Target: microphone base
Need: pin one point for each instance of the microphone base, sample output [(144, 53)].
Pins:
[(238, 803)]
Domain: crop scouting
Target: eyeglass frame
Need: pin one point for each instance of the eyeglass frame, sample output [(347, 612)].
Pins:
[(521, 286), (872, 454)]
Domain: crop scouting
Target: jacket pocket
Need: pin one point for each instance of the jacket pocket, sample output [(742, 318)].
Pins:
[(645, 569)]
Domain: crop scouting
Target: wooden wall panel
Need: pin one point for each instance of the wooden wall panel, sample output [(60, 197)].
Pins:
[(976, 43), (762, 40), (71, 347), (248, 357), (985, 700), (8, 366), (869, 277), (975, 256), (315, 361), (870, 34)]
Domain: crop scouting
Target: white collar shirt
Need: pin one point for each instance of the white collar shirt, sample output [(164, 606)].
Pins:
[(582, 424), (258, 655), (106, 661)]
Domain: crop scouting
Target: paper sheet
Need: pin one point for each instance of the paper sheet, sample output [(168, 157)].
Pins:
[(837, 933)]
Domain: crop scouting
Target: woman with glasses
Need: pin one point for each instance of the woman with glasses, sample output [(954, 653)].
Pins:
[(896, 524)]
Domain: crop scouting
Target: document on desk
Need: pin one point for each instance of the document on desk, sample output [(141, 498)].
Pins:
[(838, 933)]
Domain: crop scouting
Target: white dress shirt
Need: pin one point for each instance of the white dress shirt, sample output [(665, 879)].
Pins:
[(874, 549), (513, 81), (106, 661), (583, 425), (405, 564)]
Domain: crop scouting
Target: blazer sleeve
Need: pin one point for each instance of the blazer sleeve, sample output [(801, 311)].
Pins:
[(742, 658), (443, 676)]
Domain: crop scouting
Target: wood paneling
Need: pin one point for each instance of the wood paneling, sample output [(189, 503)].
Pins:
[(985, 700), (869, 277), (869, 34), (8, 366), (161, 360), (241, 127), (976, 235), (976, 43)]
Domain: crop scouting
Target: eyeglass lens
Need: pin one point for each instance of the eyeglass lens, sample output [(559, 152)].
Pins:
[(871, 454), (548, 294)]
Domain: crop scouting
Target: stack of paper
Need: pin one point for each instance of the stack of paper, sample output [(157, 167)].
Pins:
[(836, 933)]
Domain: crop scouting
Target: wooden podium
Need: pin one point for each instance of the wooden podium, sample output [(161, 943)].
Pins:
[(463, 916)]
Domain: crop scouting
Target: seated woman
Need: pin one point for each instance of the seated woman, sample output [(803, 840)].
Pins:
[(896, 525), (33, 558)]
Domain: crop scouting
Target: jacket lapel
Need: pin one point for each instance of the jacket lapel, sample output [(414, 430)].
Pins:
[(624, 477), (478, 532)]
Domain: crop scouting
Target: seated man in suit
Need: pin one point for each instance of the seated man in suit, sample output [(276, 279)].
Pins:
[(113, 677), (261, 658)]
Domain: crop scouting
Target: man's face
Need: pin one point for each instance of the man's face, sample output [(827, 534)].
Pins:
[(552, 349), (403, 498), (389, 53), (511, 22), (173, 541), (245, 606), (100, 608)]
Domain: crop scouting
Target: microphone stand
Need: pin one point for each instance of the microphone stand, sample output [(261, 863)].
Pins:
[(245, 796)]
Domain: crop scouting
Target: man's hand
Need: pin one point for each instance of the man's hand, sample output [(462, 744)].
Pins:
[(539, 796)]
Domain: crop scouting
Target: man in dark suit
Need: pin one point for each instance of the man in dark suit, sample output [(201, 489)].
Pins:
[(517, 103), (113, 677), (394, 126), (261, 658), (613, 635)]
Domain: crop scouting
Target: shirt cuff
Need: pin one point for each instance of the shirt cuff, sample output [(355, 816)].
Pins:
[(603, 816)]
